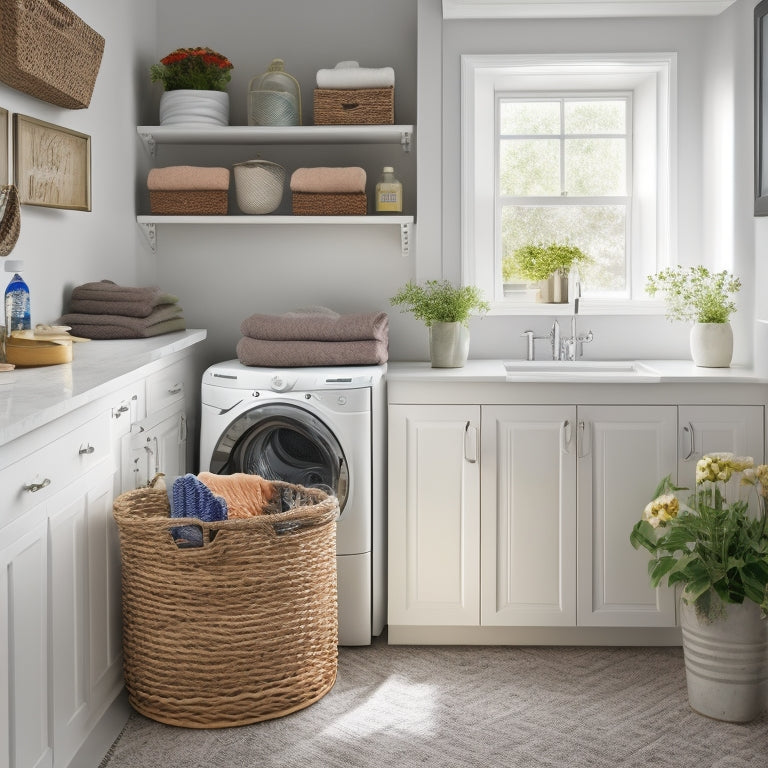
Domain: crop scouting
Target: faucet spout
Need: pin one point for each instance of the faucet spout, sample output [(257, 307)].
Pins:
[(555, 335)]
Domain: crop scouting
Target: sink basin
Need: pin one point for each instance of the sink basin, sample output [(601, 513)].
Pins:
[(578, 370)]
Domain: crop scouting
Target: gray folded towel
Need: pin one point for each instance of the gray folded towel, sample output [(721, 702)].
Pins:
[(294, 354), (317, 324), (163, 319), (116, 306), (108, 290)]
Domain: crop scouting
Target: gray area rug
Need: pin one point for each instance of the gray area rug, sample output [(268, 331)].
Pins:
[(451, 707)]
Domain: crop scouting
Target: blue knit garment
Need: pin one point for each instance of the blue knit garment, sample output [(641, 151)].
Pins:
[(192, 498)]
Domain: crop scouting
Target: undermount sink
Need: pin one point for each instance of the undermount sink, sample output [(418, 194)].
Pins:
[(578, 370)]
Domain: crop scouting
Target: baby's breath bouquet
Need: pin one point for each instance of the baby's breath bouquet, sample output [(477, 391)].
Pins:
[(710, 543), (695, 293), (439, 301), (199, 69)]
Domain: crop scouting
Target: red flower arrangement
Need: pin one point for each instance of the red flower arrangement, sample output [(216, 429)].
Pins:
[(193, 68)]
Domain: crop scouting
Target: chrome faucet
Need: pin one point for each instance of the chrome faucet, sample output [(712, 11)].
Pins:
[(571, 348), (553, 337)]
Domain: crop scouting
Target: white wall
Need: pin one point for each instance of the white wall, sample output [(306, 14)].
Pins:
[(222, 274), (714, 76), (61, 249)]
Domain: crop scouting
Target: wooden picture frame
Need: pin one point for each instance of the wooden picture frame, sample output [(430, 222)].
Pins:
[(51, 164), (5, 125), (761, 108)]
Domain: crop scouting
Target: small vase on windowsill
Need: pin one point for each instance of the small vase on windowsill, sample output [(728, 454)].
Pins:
[(554, 290)]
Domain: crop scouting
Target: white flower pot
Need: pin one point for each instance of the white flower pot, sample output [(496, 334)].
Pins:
[(192, 107), (712, 345), (448, 345), (726, 662)]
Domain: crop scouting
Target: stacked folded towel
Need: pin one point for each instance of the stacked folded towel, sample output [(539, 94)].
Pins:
[(105, 310), (314, 336), (350, 75), (349, 180)]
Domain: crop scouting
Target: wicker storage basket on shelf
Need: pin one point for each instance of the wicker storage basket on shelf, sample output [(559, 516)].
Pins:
[(189, 202), (239, 630), (329, 203), (49, 52), (358, 106)]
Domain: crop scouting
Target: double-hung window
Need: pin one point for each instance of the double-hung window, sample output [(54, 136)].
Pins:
[(571, 150)]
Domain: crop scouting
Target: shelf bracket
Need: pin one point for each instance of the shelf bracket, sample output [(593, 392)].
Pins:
[(405, 141), (405, 240), (151, 234), (149, 142)]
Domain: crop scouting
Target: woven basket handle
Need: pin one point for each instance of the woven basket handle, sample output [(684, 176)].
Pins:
[(349, 106), (57, 14)]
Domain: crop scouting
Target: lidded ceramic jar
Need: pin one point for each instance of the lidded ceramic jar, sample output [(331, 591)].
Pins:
[(274, 98)]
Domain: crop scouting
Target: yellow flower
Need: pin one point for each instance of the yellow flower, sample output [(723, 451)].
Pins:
[(661, 510)]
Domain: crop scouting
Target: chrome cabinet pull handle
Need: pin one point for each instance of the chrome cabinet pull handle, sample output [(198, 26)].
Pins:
[(581, 451), (691, 441), (470, 443), (86, 450), (565, 436), (35, 487), (175, 389)]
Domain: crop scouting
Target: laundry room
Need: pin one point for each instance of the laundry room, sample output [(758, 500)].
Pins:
[(444, 450)]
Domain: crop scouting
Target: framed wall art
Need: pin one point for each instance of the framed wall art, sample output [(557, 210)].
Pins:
[(4, 145), (51, 164), (761, 109)]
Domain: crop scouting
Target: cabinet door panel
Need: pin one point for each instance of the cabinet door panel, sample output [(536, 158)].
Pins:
[(528, 550), (624, 452), (718, 429), (433, 515), (24, 727)]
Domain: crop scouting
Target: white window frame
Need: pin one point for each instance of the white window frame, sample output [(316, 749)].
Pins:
[(651, 78)]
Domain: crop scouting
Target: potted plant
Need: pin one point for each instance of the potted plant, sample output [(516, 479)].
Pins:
[(195, 83), (445, 309), (695, 294), (548, 265), (712, 545)]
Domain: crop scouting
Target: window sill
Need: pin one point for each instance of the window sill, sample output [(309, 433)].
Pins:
[(587, 307)]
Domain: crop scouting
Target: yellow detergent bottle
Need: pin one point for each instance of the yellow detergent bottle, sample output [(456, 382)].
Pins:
[(389, 192)]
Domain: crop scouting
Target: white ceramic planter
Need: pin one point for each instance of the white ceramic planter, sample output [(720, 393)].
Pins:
[(448, 345), (726, 662), (712, 345), (191, 107)]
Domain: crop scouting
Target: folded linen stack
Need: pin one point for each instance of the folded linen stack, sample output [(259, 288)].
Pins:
[(314, 336), (350, 94), (183, 190), (105, 310), (329, 191)]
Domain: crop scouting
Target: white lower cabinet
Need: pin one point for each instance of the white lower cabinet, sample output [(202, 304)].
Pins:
[(25, 732), (533, 531), (434, 515), (528, 515)]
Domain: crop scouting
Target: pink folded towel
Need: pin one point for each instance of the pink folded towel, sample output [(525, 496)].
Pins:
[(296, 354), (176, 177), (317, 324), (338, 180)]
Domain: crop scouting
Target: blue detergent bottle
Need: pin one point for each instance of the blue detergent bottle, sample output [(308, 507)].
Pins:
[(17, 314)]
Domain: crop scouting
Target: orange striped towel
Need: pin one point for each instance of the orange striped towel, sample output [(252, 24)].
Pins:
[(246, 495)]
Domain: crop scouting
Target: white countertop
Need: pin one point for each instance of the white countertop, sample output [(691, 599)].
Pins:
[(33, 397), (653, 371)]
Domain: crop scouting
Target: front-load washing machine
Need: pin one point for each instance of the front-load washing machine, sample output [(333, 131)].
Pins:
[(316, 427)]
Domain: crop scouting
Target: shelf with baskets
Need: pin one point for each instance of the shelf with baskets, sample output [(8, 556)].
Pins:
[(152, 135)]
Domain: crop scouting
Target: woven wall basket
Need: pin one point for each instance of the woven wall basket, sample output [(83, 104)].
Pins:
[(49, 52), (242, 629), (10, 218)]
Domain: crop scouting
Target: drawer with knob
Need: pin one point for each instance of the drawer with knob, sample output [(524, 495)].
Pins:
[(52, 466)]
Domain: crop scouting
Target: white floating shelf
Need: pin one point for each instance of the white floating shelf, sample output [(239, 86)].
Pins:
[(571, 9), (152, 135), (149, 223)]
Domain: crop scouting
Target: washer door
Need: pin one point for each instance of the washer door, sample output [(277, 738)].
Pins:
[(280, 441)]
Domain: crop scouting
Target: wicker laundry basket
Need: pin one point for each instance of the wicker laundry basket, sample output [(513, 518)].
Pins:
[(239, 630)]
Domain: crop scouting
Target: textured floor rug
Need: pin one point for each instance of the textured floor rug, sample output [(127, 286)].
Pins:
[(457, 707)]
